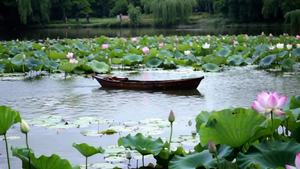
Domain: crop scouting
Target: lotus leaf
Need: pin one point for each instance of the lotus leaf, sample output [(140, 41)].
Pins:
[(235, 60), (267, 61), (99, 67), (233, 127), (224, 52), (202, 159), (210, 67), (132, 59), (154, 62), (144, 145), (296, 52), (287, 64), (8, 117), (67, 67), (87, 150), (294, 102), (269, 155)]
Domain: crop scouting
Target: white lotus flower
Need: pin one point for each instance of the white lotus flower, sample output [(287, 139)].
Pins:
[(298, 45), (187, 52), (206, 46), (271, 47), (43, 48), (289, 46), (235, 43), (73, 61), (280, 45), (70, 55)]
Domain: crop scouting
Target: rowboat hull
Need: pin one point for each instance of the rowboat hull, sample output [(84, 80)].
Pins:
[(124, 83)]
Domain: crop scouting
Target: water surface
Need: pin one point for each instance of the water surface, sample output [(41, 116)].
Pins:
[(81, 97)]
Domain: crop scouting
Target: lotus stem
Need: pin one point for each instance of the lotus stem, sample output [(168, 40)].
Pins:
[(27, 145), (170, 139), (86, 162), (66, 74), (7, 153), (218, 161), (272, 124), (143, 160), (137, 163)]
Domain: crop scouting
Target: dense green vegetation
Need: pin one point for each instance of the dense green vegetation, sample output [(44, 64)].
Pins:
[(264, 136), (100, 55), (165, 12)]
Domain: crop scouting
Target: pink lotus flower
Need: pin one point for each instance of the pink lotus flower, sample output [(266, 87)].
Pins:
[(105, 46), (298, 37), (269, 102), (134, 39), (70, 55), (297, 163), (146, 50), (73, 61), (161, 45)]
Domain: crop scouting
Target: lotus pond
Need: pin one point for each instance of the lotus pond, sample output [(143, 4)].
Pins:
[(64, 110)]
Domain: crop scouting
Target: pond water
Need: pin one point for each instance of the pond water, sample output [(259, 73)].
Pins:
[(29, 34), (78, 98)]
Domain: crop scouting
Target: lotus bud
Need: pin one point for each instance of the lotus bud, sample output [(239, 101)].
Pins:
[(24, 127), (212, 147), (171, 117), (128, 155)]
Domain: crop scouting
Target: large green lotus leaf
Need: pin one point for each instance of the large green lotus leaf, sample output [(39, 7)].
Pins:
[(269, 155), (296, 52), (8, 117), (214, 59), (235, 60), (23, 154), (52, 162), (169, 64), (267, 61), (56, 55), (34, 64), (39, 54), (294, 102), (87, 150), (99, 67), (210, 67), (144, 145), (19, 59), (67, 67), (283, 54), (224, 52), (58, 47), (233, 127), (259, 49), (165, 53), (192, 161), (132, 59), (50, 64), (201, 118), (154, 62)]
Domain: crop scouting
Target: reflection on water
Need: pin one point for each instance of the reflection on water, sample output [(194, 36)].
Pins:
[(80, 97), (131, 32)]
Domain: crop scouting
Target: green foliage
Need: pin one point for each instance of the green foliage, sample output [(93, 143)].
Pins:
[(134, 15), (192, 161), (170, 12), (233, 127), (144, 145), (8, 117), (24, 9), (293, 17), (269, 155), (42, 162), (120, 7), (99, 67), (87, 150)]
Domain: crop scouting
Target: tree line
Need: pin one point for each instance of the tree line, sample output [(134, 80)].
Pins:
[(165, 12)]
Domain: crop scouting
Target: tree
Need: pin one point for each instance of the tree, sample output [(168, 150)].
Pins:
[(82, 7), (120, 7), (134, 15), (170, 12), (62, 7)]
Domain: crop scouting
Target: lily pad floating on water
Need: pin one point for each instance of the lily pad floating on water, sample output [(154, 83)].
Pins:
[(106, 166)]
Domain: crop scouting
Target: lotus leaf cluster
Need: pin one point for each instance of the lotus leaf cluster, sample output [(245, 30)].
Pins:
[(100, 55)]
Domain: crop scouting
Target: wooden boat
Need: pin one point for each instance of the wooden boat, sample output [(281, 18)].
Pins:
[(125, 83)]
